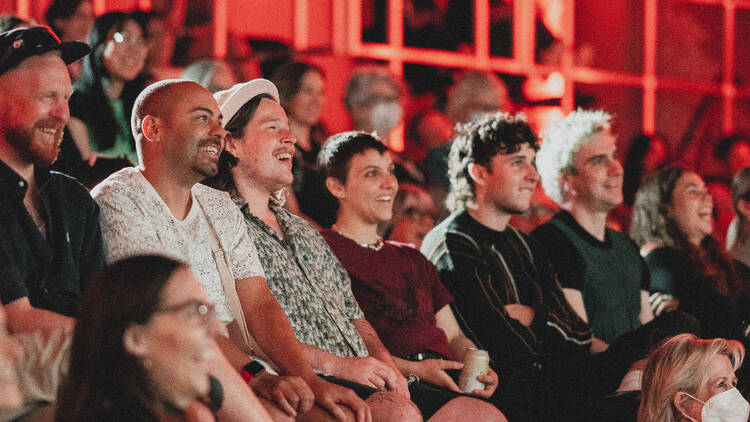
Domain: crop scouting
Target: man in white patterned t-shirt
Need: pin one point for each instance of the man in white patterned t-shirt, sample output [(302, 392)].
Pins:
[(159, 207)]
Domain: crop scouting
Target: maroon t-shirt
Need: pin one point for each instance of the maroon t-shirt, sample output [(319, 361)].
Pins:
[(399, 291)]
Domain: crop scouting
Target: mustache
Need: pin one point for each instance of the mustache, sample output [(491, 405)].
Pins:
[(211, 142)]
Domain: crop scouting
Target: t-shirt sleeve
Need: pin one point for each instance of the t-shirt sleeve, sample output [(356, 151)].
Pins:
[(565, 259), (126, 230)]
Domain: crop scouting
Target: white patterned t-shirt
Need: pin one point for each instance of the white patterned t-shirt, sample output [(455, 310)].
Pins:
[(136, 221)]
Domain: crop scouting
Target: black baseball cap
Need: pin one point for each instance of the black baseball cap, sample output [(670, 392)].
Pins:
[(19, 44)]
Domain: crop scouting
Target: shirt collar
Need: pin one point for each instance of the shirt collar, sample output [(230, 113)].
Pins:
[(10, 178)]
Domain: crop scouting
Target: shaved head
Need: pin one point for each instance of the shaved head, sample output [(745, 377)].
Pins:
[(158, 99)]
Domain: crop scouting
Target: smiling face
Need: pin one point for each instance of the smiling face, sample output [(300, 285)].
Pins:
[(691, 207), (368, 193), (507, 182), (265, 151), (34, 107), (597, 183), (307, 105), (721, 378), (178, 341), (190, 133), (125, 52)]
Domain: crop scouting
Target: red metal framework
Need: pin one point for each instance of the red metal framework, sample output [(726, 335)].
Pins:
[(523, 61)]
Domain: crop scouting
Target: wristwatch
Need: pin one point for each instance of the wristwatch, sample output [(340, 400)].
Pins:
[(252, 370)]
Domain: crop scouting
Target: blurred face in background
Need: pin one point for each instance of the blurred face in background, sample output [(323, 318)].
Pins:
[(414, 216), (125, 52), (306, 105), (692, 207), (77, 27)]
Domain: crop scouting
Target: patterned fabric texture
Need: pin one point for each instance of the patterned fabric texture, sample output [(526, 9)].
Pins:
[(308, 281), (136, 221)]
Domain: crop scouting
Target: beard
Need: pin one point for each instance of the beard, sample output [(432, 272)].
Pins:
[(31, 146), (513, 210), (207, 168)]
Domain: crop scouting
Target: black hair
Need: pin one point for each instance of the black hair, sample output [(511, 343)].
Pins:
[(89, 103), (101, 370), (336, 155), (288, 79), (477, 142)]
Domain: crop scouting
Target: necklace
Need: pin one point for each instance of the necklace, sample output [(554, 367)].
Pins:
[(375, 246)]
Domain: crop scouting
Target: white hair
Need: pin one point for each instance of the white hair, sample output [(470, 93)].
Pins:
[(560, 143)]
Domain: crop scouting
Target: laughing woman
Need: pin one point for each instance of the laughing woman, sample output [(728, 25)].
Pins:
[(672, 224), (103, 98)]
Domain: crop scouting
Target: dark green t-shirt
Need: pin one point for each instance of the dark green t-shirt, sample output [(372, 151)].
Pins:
[(609, 274)]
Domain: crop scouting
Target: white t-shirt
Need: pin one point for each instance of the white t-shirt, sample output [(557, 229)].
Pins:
[(136, 221)]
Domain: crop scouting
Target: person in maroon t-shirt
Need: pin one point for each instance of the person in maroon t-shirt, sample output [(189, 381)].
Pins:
[(398, 289)]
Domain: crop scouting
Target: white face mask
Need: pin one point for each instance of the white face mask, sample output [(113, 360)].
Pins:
[(728, 406), (385, 116)]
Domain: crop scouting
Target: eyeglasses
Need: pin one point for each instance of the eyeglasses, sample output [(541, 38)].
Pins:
[(196, 310), (129, 39)]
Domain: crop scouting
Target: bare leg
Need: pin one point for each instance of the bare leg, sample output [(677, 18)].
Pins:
[(467, 408), (388, 406)]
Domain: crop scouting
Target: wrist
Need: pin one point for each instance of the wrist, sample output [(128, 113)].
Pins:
[(252, 370)]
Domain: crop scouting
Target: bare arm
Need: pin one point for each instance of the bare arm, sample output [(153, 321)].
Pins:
[(375, 347), (268, 324), (460, 344), (575, 299), (23, 318), (647, 314), (80, 135), (240, 404), (446, 321)]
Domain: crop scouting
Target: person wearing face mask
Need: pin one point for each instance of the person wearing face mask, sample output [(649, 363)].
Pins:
[(374, 100), (690, 379)]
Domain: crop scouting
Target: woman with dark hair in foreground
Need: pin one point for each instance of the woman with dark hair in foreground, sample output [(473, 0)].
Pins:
[(143, 348)]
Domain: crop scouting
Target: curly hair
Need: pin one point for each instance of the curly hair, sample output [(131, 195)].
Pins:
[(680, 364), (477, 142), (560, 143), (651, 223)]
